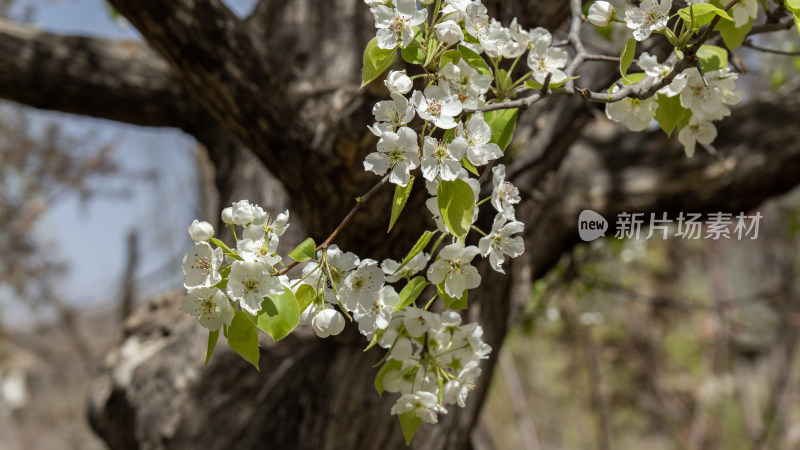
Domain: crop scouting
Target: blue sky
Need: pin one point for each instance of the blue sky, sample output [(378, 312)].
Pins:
[(91, 238)]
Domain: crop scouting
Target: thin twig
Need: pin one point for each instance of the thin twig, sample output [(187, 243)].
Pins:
[(359, 203), (749, 44)]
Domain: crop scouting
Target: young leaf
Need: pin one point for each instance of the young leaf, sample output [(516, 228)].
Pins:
[(391, 364), (456, 205), (212, 344), (626, 57), (502, 122), (536, 86), (732, 36), (503, 81), (712, 58), (413, 54), (793, 5), (304, 251), (703, 14), (243, 338), (475, 60), (305, 295), (376, 61), (409, 422), (452, 302), (420, 245), (450, 56), (669, 112), (401, 194), (468, 165), (279, 314), (410, 292)]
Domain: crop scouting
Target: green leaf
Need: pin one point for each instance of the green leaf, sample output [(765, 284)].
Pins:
[(304, 251), (502, 122), (732, 36), (452, 302), (413, 54), (305, 295), (391, 364), (410, 292), (669, 112), (224, 272), (712, 57), (793, 5), (797, 20), (376, 61), (243, 338), (418, 247), (468, 165), (626, 57), (450, 56), (279, 314), (212, 344), (703, 14), (226, 250), (409, 422), (457, 206), (401, 194), (475, 60)]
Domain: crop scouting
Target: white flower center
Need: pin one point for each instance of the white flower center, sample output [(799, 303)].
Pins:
[(508, 192)]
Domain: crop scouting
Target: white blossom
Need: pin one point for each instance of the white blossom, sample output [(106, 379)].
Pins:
[(327, 322), (601, 13), (448, 32), (398, 82), (466, 82), (227, 216), (454, 270), (395, 26), (423, 404), (436, 105), (504, 195), (201, 266), (499, 242), (418, 321), (396, 151), (544, 60), (249, 283), (201, 231), (476, 136), (441, 160), (634, 113), (262, 250), (397, 111), (376, 313), (456, 391), (209, 306), (361, 285), (651, 15), (417, 263), (652, 68), (743, 10), (697, 130), (242, 213)]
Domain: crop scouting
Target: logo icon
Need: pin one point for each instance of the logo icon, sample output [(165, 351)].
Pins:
[(591, 225)]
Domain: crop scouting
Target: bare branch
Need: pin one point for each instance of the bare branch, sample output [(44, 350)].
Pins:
[(111, 79)]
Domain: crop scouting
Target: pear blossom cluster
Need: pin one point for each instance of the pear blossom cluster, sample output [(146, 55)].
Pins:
[(431, 125), (704, 96)]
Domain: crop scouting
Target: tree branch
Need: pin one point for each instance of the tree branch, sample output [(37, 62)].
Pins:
[(110, 79)]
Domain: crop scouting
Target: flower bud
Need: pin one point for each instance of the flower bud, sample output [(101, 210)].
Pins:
[(201, 231), (601, 14), (227, 216), (449, 33), (242, 212), (328, 322), (398, 82)]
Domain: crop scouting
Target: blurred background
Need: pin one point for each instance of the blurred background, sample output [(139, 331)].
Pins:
[(626, 344)]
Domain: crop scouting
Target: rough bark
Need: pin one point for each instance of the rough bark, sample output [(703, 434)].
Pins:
[(265, 85)]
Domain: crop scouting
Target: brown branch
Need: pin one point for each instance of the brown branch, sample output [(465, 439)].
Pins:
[(749, 44), (111, 79), (360, 201)]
